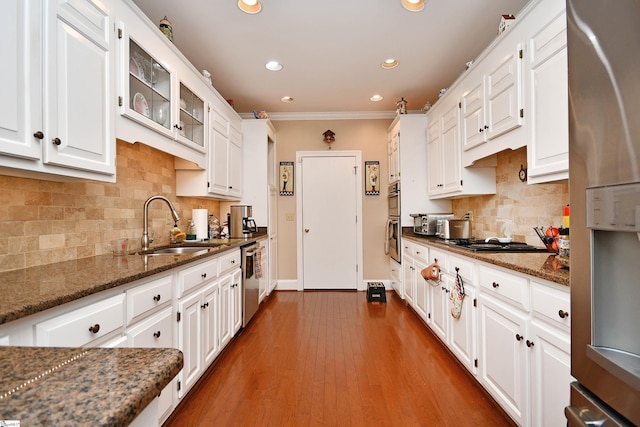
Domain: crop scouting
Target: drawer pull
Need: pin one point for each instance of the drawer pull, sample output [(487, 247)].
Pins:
[(204, 275), (495, 285), (156, 334), (95, 328), (519, 337), (529, 343), (233, 261), (38, 135), (563, 314), (157, 298)]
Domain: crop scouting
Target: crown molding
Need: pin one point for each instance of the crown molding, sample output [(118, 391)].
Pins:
[(333, 115)]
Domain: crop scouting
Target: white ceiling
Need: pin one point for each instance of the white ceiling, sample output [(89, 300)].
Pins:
[(331, 49)]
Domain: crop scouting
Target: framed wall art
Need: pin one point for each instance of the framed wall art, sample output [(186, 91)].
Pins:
[(372, 178), (286, 179)]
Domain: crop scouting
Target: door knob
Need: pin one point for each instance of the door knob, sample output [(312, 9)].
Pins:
[(306, 230)]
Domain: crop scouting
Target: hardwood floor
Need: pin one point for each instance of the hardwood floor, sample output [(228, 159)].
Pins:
[(332, 359)]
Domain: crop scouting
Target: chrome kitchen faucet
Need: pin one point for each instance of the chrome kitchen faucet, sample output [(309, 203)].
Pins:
[(146, 240)]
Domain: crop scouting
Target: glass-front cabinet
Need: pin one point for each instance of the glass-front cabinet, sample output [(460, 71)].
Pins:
[(192, 116), (162, 94), (149, 90)]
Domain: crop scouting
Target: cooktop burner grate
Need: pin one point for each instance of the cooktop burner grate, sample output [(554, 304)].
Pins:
[(493, 246)]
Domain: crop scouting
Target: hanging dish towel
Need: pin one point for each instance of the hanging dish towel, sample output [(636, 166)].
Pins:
[(456, 296), (258, 263)]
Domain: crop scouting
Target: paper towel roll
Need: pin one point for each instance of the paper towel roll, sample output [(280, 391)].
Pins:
[(200, 219)]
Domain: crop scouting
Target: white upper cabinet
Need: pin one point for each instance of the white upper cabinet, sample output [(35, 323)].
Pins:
[(55, 114), (447, 177), (161, 103), (548, 150), (492, 101), (222, 178), (163, 100)]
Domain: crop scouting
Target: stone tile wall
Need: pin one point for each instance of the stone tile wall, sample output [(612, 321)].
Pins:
[(526, 206), (43, 222)]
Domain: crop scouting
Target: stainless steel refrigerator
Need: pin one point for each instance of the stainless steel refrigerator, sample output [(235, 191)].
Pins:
[(604, 185)]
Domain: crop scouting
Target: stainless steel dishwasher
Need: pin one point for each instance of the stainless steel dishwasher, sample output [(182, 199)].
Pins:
[(251, 274)]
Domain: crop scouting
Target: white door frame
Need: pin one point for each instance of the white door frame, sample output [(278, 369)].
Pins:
[(299, 233)]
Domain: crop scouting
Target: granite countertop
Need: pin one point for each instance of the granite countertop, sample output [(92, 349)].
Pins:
[(82, 386), (539, 264), (31, 290)]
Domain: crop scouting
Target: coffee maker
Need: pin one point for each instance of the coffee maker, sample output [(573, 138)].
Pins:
[(241, 225)]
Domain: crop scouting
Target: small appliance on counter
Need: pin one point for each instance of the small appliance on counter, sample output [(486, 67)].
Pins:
[(241, 225), (427, 224), (454, 228)]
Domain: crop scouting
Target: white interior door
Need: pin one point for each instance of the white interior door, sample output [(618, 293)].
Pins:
[(329, 196)]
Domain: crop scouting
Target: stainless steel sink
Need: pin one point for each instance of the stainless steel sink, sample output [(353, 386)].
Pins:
[(178, 250)]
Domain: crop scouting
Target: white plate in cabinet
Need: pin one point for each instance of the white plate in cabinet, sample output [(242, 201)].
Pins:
[(192, 277), (508, 287), (80, 327), (229, 261), (551, 305), (144, 298), (154, 332)]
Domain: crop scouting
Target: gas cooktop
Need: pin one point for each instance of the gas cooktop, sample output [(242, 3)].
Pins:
[(493, 246)]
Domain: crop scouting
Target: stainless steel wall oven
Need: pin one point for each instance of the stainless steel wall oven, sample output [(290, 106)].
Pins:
[(393, 230)]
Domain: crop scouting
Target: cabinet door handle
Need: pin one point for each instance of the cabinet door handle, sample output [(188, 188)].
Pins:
[(156, 298), (519, 337), (233, 261), (56, 141), (495, 284), (95, 328), (529, 343), (177, 127), (156, 334), (563, 314), (38, 135), (204, 275), (205, 305), (486, 127)]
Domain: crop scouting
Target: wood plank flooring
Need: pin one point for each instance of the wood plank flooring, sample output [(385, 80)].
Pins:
[(332, 359)]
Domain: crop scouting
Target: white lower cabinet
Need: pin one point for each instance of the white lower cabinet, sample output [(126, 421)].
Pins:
[(196, 333), (513, 332), (236, 300), (459, 334), (503, 358), (154, 332), (84, 326), (524, 340), (209, 314), (408, 275)]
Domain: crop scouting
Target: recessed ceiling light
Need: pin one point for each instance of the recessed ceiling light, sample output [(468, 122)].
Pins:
[(413, 5), (286, 99), (376, 98), (389, 63), (273, 66), (249, 6)]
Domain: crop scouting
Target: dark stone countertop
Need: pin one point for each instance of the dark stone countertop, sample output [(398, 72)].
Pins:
[(31, 290), (82, 386), (539, 264)]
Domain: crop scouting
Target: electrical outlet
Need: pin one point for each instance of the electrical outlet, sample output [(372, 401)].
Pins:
[(290, 216), (469, 215), (168, 219)]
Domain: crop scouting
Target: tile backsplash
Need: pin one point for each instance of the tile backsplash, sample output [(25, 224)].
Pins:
[(42, 222), (524, 205)]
